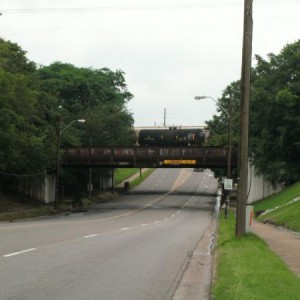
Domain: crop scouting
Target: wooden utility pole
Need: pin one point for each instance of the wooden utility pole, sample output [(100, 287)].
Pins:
[(244, 119)]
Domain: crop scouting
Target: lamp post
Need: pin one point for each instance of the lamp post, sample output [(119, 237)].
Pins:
[(59, 134), (228, 114)]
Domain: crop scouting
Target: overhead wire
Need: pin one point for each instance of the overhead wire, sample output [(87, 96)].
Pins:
[(162, 6)]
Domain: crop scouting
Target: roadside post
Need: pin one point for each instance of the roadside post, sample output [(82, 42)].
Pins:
[(227, 188), (249, 217)]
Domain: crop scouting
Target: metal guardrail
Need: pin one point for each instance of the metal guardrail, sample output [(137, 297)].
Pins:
[(151, 157)]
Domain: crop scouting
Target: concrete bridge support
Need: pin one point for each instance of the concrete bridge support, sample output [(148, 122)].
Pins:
[(41, 188)]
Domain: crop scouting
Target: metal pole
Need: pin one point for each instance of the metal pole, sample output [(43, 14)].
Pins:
[(57, 165), (229, 138), (90, 174), (112, 180), (227, 201), (244, 119), (59, 134)]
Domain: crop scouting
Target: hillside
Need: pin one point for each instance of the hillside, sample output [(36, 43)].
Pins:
[(282, 209)]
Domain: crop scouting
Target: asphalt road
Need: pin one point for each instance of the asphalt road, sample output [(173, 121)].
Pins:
[(133, 247)]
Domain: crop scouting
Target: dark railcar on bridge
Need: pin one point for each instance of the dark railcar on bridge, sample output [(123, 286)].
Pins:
[(171, 137)]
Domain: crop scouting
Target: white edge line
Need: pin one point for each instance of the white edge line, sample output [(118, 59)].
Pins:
[(144, 224), (124, 228), (20, 252), (91, 235)]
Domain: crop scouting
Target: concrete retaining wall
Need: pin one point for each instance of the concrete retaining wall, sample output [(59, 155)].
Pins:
[(258, 187)]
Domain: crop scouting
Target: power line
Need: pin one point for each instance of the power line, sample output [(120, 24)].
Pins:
[(170, 6)]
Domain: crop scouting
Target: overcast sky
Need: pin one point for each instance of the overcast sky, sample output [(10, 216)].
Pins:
[(170, 51)]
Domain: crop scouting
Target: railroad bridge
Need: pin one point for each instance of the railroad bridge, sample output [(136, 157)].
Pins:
[(147, 157)]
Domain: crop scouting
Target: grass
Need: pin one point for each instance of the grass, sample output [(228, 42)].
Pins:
[(28, 213), (124, 173), (248, 269), (139, 180), (286, 215), (281, 198)]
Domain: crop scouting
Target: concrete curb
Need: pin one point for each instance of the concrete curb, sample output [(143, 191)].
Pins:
[(197, 279)]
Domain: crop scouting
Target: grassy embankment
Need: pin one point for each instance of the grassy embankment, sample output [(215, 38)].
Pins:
[(283, 210), (246, 268), (123, 174)]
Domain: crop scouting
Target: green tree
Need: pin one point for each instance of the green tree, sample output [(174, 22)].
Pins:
[(23, 130), (275, 115), (97, 95)]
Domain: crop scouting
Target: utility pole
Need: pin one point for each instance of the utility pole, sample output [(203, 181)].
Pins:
[(165, 116), (229, 122), (244, 119)]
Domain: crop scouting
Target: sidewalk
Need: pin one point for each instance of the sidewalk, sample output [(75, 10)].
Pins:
[(283, 242)]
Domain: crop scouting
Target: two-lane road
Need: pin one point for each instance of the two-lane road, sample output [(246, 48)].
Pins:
[(133, 247)]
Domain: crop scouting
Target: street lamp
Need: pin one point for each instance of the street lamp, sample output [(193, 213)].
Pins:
[(59, 134), (228, 114)]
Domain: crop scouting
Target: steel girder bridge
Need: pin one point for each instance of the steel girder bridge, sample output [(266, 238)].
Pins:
[(147, 157)]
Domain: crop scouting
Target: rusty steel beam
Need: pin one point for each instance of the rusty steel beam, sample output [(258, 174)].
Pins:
[(151, 157)]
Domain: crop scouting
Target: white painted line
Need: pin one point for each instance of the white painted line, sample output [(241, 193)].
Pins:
[(20, 252), (124, 228), (178, 211), (173, 216), (166, 219), (144, 224), (156, 222), (91, 235)]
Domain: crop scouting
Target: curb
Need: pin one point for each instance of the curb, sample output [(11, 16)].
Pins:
[(197, 279)]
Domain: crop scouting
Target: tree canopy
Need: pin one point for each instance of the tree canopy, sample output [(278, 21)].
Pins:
[(36, 100), (274, 133), (275, 114)]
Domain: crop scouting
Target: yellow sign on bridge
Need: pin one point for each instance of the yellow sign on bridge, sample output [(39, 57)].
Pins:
[(179, 161)]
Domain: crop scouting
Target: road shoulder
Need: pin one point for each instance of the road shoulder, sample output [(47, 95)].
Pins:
[(197, 278)]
